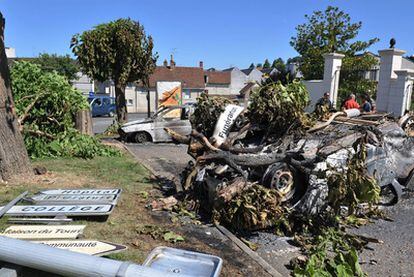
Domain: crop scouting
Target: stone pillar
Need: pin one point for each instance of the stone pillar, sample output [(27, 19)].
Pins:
[(400, 90), (390, 61), (332, 67)]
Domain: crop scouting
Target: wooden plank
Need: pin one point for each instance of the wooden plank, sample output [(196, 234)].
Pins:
[(265, 265)]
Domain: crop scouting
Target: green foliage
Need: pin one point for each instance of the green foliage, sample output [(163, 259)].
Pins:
[(278, 107), (63, 65), (352, 80), (255, 208), (355, 186), (207, 112), (279, 65), (283, 75), (331, 254), (266, 64), (119, 50), (325, 32), (46, 105)]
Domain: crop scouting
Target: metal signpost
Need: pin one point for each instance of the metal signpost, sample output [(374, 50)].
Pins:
[(53, 210), (43, 232), (91, 247)]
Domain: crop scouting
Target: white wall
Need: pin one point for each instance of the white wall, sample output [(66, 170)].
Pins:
[(218, 89), (316, 91), (238, 81)]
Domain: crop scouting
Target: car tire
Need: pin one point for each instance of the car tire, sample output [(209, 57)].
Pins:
[(286, 180), (142, 137), (111, 114)]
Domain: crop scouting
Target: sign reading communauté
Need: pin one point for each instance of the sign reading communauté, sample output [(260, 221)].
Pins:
[(43, 232), (68, 210), (91, 247)]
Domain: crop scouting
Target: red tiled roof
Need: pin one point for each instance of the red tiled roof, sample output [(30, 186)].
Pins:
[(218, 77), (190, 77)]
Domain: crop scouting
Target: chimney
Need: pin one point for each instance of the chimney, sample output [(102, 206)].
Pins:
[(165, 63), (172, 62), (201, 64)]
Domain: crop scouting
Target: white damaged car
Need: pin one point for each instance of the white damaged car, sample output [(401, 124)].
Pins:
[(152, 129)]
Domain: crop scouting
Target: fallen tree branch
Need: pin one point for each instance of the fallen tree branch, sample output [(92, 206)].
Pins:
[(252, 160), (203, 139), (39, 133), (177, 137), (22, 118), (327, 123)]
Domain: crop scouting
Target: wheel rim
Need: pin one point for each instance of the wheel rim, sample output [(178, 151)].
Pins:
[(141, 137), (283, 182)]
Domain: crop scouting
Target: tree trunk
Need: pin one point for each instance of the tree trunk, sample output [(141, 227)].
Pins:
[(121, 110), (84, 122), (13, 155)]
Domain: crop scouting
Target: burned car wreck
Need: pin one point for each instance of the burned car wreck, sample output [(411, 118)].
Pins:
[(291, 159)]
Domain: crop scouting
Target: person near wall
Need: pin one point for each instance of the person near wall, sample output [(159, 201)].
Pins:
[(366, 106), (325, 101), (350, 103), (371, 101)]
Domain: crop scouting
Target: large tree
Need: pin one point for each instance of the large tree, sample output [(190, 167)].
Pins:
[(119, 51), (324, 32), (63, 65), (13, 155), (279, 65), (266, 64)]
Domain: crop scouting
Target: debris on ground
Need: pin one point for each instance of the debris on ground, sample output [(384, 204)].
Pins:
[(268, 165)]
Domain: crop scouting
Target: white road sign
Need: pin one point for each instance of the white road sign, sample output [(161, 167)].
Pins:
[(81, 191), (91, 247), (43, 232), (68, 210), (74, 198)]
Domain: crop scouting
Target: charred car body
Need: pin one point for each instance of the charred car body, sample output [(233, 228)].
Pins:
[(152, 129)]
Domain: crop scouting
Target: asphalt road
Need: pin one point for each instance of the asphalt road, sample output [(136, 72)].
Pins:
[(101, 123)]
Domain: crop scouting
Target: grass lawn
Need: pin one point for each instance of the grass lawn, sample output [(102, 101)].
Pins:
[(102, 172), (129, 215)]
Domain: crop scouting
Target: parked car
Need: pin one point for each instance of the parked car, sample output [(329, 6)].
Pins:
[(152, 129), (102, 105)]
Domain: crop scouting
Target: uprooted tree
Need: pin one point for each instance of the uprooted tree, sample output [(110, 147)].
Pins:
[(119, 51), (13, 155)]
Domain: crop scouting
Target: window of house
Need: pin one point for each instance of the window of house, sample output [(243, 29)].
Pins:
[(130, 102)]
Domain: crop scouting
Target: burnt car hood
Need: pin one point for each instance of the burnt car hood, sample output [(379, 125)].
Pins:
[(139, 121)]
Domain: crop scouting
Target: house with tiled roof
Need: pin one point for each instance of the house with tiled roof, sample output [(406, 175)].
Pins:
[(192, 81), (218, 82)]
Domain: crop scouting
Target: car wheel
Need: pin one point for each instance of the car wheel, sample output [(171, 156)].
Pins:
[(142, 137), (285, 179), (111, 114)]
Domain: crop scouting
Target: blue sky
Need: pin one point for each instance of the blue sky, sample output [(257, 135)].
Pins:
[(221, 33)]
